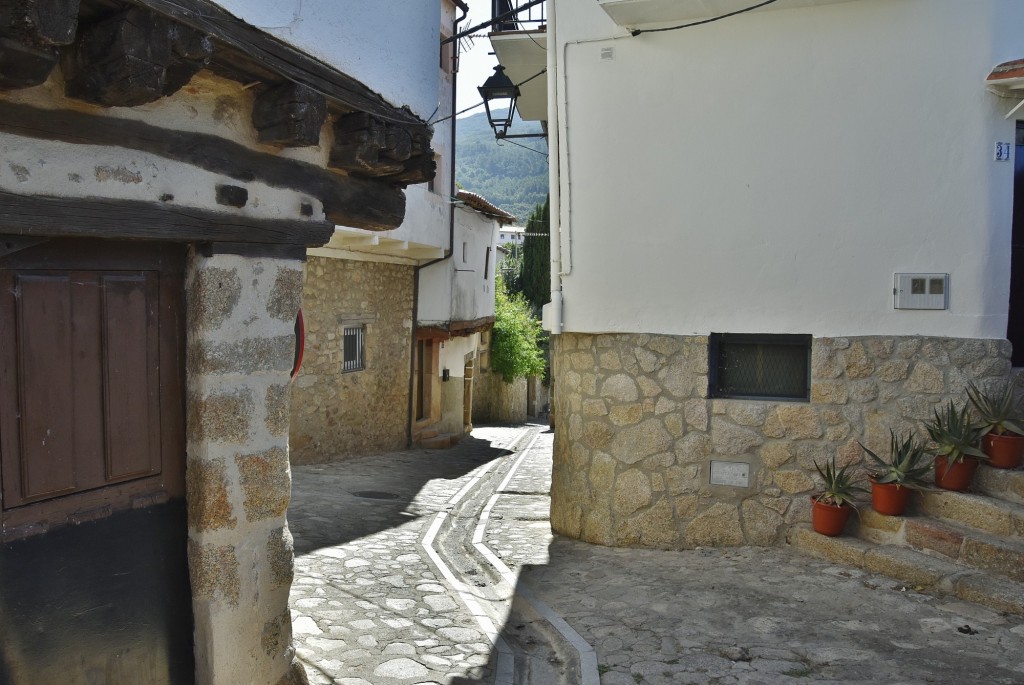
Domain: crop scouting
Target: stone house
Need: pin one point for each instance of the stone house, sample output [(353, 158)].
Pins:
[(392, 317), (165, 166), (779, 233)]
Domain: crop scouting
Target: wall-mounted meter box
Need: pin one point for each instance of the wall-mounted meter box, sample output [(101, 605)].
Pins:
[(921, 291)]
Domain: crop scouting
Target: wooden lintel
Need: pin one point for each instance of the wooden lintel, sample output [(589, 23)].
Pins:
[(290, 115), (56, 217), (132, 58), (276, 55), (347, 200)]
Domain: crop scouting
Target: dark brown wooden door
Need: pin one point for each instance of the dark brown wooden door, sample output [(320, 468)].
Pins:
[(90, 377)]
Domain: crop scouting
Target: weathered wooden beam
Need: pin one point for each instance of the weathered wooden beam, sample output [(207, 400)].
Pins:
[(30, 33), (368, 146), (347, 200), (39, 22), (24, 66), (290, 115), (283, 59), (132, 58), (55, 217)]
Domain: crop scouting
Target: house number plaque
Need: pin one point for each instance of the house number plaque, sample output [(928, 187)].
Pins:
[(734, 473)]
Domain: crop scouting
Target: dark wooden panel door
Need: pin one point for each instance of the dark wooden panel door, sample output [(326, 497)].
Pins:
[(91, 377)]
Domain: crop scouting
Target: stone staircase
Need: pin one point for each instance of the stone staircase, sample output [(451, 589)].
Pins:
[(970, 545)]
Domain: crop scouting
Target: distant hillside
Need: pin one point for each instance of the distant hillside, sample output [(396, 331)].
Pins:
[(507, 175)]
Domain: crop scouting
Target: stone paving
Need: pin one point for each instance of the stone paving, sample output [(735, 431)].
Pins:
[(418, 589)]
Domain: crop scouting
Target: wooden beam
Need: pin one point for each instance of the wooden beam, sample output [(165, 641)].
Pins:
[(55, 217), (290, 115), (347, 200), (297, 66), (30, 33), (132, 58), (40, 22), (366, 145)]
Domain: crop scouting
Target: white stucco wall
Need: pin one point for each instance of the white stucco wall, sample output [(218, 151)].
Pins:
[(378, 42), (453, 353), (770, 172), (461, 288)]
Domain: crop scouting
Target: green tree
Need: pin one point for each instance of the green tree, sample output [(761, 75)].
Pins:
[(536, 274), (514, 341)]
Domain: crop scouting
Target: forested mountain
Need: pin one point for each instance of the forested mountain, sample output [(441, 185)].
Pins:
[(509, 176)]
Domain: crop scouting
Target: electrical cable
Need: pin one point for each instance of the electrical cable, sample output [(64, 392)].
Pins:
[(525, 147), (637, 32), (463, 111)]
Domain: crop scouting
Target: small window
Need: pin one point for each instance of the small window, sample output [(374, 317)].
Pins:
[(353, 345), (768, 367), (487, 263)]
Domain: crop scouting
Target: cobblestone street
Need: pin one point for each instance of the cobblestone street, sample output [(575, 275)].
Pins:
[(439, 567)]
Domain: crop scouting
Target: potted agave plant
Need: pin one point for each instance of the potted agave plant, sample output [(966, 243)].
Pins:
[(1002, 425), (832, 506), (956, 452), (892, 479)]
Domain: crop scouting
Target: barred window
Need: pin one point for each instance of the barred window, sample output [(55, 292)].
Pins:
[(353, 344), (769, 367)]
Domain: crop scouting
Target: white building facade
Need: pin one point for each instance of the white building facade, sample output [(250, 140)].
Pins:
[(779, 234)]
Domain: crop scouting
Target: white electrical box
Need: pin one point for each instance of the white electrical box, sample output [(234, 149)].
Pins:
[(921, 291)]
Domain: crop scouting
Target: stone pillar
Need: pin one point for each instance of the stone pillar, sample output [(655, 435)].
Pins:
[(241, 313)]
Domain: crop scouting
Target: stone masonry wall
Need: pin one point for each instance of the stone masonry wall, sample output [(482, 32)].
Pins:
[(495, 401), (337, 414), (636, 432), (240, 317)]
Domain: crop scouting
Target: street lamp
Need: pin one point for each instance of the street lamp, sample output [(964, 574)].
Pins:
[(499, 90)]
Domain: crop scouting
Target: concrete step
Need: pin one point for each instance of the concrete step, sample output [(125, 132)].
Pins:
[(440, 441), (1002, 484), (956, 542), (995, 516), (917, 569), (426, 434)]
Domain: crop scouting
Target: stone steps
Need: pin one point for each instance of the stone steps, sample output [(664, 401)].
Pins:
[(969, 546), (1000, 483), (988, 514), (919, 570)]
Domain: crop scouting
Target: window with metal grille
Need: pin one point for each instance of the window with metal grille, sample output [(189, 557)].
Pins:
[(768, 367), (353, 344)]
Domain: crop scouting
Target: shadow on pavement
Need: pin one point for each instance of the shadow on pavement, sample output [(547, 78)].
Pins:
[(337, 502)]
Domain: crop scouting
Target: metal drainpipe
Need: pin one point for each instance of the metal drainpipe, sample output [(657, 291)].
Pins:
[(451, 226)]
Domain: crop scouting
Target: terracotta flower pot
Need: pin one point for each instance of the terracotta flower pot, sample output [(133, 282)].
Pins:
[(957, 476), (1004, 451), (889, 498), (829, 519)]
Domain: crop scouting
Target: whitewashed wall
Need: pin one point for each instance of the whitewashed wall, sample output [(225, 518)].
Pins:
[(379, 42), (456, 289), (770, 172)]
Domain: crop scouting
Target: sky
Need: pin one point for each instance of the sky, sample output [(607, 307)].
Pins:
[(477, 64)]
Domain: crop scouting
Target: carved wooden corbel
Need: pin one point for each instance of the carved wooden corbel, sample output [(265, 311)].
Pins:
[(31, 31), (366, 145), (291, 115), (132, 58)]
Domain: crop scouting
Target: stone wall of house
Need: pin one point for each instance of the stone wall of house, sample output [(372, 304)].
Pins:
[(452, 395), (336, 414), (636, 431), (495, 401), (240, 317)]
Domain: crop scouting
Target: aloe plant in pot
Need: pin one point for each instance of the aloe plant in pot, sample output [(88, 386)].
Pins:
[(892, 479), (832, 506), (1002, 424), (955, 438)]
